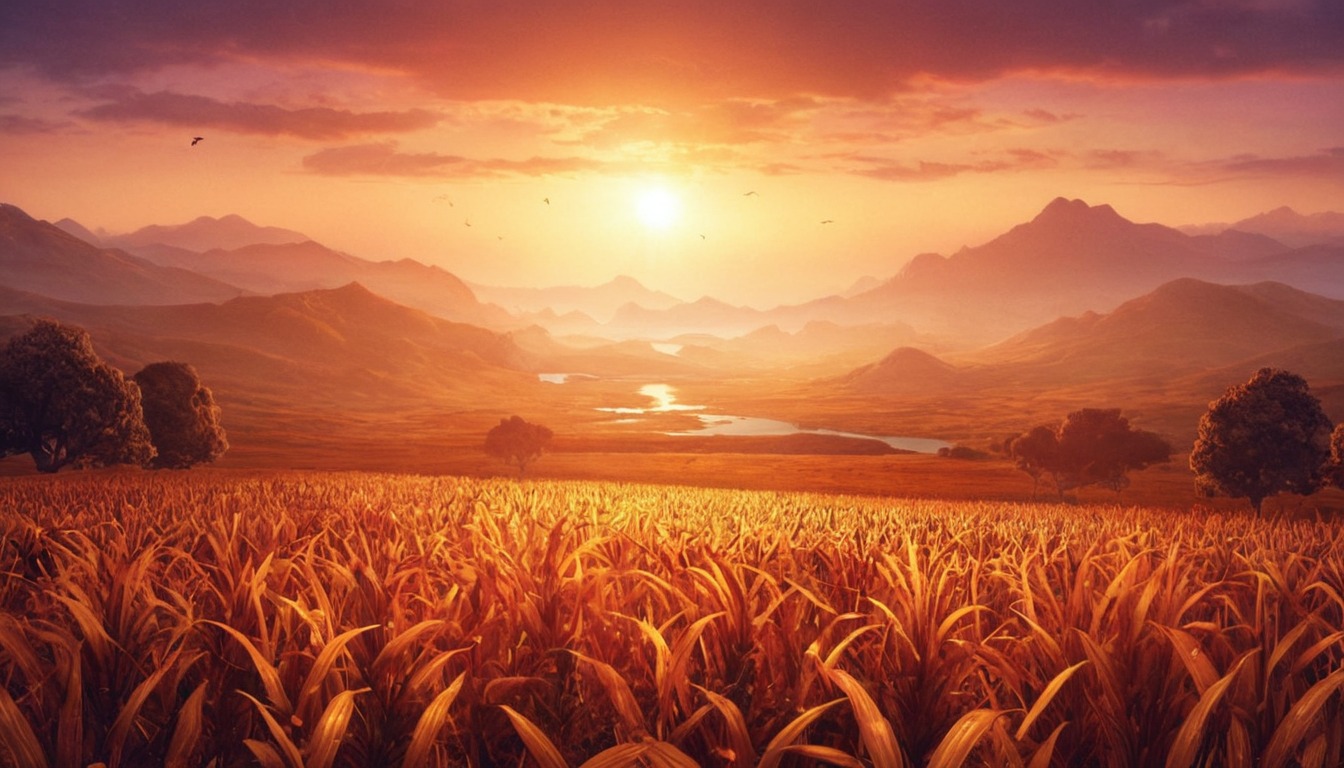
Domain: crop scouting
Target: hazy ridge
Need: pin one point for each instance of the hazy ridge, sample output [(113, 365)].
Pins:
[(1077, 305)]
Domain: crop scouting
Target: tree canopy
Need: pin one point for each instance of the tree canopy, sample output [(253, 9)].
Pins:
[(516, 441), (181, 414), (1263, 437), (64, 406), (1092, 446)]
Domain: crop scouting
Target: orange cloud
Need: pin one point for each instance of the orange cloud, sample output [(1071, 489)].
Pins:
[(893, 170), (385, 159)]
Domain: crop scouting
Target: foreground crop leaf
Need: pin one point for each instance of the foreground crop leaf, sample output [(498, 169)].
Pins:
[(538, 744), (619, 756), (776, 749), (1296, 725), (1044, 699), (874, 729), (969, 729), (188, 730), (17, 736), (320, 751), (1191, 735), (270, 676), (290, 752), (1044, 753), (430, 723)]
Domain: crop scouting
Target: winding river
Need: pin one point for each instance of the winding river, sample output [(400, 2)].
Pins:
[(665, 401)]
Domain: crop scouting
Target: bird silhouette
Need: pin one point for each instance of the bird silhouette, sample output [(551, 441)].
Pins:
[(827, 221), (702, 237), (546, 200), (196, 139), (748, 194), (467, 222)]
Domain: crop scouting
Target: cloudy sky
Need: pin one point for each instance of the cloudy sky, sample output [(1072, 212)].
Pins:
[(698, 145)]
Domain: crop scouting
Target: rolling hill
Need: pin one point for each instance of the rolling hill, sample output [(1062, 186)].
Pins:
[(314, 373), (1164, 355)]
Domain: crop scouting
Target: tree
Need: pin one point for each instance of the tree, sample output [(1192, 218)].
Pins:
[(64, 406), (1098, 447), (181, 414), (1092, 446), (516, 441), (1263, 437)]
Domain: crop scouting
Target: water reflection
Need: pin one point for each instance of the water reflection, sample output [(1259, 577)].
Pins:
[(665, 401)]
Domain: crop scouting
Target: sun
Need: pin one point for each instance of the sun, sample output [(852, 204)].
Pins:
[(658, 207)]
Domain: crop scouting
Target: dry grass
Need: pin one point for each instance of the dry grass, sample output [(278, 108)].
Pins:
[(307, 619)]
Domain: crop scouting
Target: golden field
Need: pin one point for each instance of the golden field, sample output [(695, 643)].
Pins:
[(291, 619)]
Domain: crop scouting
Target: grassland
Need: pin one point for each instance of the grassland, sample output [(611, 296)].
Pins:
[(353, 619)]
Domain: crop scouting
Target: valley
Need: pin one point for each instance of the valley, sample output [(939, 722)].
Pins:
[(324, 360)]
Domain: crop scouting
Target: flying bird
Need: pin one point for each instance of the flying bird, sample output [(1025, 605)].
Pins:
[(195, 139), (748, 194), (546, 200), (827, 221), (467, 222)]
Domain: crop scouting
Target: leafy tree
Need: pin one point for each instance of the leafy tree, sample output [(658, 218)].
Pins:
[(64, 406), (1263, 437), (181, 414), (516, 441), (1098, 447), (1092, 446)]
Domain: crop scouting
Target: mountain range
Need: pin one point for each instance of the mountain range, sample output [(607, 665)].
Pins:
[(39, 257), (1077, 305), (1285, 225)]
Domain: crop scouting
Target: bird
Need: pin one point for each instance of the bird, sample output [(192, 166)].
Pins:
[(702, 237), (748, 194), (827, 221), (195, 139), (467, 222), (546, 200)]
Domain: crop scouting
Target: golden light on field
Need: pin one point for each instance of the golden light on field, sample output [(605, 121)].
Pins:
[(380, 607), (657, 207)]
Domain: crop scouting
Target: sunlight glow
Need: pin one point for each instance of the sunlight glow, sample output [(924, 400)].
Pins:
[(658, 208)]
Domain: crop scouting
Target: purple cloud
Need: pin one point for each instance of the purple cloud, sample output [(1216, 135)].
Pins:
[(642, 51), (198, 112)]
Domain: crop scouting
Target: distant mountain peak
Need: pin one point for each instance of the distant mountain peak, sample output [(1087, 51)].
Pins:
[(1062, 210), (14, 213)]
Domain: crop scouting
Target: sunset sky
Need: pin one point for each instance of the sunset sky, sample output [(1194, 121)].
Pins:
[(385, 128)]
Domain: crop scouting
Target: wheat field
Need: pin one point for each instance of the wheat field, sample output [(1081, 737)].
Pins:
[(310, 619)]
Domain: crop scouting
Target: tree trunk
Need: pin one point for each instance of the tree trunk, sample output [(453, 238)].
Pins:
[(49, 455)]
